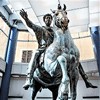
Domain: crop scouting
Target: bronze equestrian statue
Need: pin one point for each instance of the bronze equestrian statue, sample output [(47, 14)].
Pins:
[(45, 36)]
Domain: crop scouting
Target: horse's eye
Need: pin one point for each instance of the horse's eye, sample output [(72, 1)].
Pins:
[(56, 14), (65, 12), (68, 20)]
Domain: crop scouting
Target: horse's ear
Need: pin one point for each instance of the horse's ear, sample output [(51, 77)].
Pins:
[(64, 7), (59, 6), (53, 11)]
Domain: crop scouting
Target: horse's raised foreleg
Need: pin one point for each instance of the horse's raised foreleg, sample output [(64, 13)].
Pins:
[(63, 89)]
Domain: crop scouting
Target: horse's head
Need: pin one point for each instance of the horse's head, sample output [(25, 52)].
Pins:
[(60, 18)]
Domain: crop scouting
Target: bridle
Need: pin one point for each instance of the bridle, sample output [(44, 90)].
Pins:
[(60, 18)]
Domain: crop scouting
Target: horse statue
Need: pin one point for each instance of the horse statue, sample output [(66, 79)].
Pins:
[(61, 60)]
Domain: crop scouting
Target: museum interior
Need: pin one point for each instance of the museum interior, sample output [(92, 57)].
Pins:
[(18, 42)]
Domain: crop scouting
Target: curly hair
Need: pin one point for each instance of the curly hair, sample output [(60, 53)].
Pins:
[(46, 15)]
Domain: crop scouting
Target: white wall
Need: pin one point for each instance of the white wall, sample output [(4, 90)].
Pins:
[(89, 65), (16, 89)]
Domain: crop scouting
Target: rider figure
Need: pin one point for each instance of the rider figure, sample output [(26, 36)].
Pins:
[(44, 37)]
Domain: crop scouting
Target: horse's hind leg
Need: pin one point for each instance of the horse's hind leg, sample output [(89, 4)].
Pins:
[(73, 85), (36, 88), (73, 89), (55, 94), (54, 90)]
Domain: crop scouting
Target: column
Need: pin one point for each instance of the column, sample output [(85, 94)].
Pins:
[(9, 58), (95, 34)]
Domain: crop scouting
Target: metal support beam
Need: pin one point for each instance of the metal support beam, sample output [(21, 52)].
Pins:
[(95, 34), (10, 53)]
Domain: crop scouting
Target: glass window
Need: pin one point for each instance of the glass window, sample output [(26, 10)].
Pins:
[(4, 32), (26, 56)]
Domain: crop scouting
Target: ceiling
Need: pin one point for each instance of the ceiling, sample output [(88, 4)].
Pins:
[(81, 13)]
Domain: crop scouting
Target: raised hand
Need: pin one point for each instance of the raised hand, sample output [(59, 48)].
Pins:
[(23, 14)]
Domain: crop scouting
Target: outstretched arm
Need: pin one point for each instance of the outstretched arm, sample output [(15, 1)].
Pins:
[(39, 31), (24, 15), (35, 28)]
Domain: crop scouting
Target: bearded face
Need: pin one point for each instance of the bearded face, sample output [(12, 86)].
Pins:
[(48, 20)]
